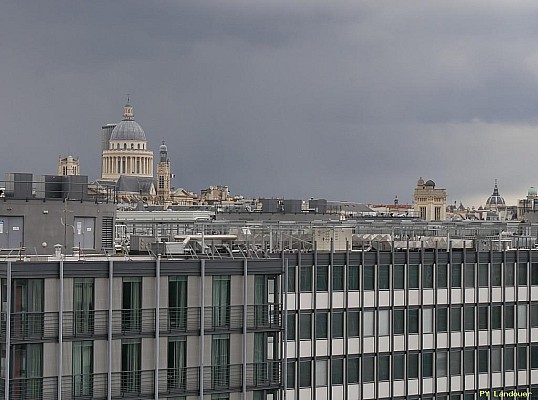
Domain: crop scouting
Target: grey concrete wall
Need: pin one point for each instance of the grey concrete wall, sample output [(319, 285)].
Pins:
[(43, 221)]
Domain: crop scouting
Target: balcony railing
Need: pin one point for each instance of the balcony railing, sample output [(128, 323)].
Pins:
[(33, 388), (226, 377), (132, 383), (182, 381), (264, 316), (264, 375), (85, 386), (80, 324), (94, 323), (136, 384), (223, 318), (179, 319), (34, 325), (133, 321)]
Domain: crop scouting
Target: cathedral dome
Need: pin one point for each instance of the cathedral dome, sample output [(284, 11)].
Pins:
[(431, 183), (128, 128), (495, 199)]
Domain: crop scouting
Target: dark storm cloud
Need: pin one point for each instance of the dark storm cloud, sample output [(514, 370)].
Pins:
[(348, 100)]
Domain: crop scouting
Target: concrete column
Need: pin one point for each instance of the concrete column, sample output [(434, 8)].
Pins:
[(60, 329), (8, 331)]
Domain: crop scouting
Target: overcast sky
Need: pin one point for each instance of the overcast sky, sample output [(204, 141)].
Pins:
[(348, 100)]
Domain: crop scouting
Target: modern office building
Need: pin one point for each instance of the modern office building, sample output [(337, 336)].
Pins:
[(389, 309), (141, 328)]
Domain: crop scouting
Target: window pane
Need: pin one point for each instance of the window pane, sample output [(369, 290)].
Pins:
[(468, 362), (353, 370), (442, 318), (412, 320), (322, 278), (368, 369), (455, 362), (483, 361), (522, 316), (338, 278), (291, 326), (322, 376), (412, 365), (337, 371), (509, 316), (398, 366), (383, 276), (427, 320), (305, 326), (353, 278), (521, 357), (290, 372), (353, 323), (455, 319), (413, 276), (509, 359), (291, 279), (427, 276), (306, 279), (369, 325), (369, 278), (534, 274), (321, 324), (522, 274), (399, 277), (441, 363), (305, 374), (455, 275), (427, 364), (384, 322), (383, 367), (509, 274), (534, 315), (398, 322), (483, 278), (337, 324), (496, 275), (468, 316), (483, 317), (442, 281), (496, 360), (496, 319), (534, 356), (468, 271)]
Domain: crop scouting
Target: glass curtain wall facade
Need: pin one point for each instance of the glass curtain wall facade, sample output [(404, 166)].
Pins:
[(411, 324)]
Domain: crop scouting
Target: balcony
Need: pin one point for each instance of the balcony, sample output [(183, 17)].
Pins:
[(230, 318), (33, 325), (179, 320), (85, 386), (133, 322), (85, 324), (139, 322), (140, 384), (33, 388)]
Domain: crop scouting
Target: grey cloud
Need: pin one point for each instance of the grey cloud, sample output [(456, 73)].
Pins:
[(349, 100)]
